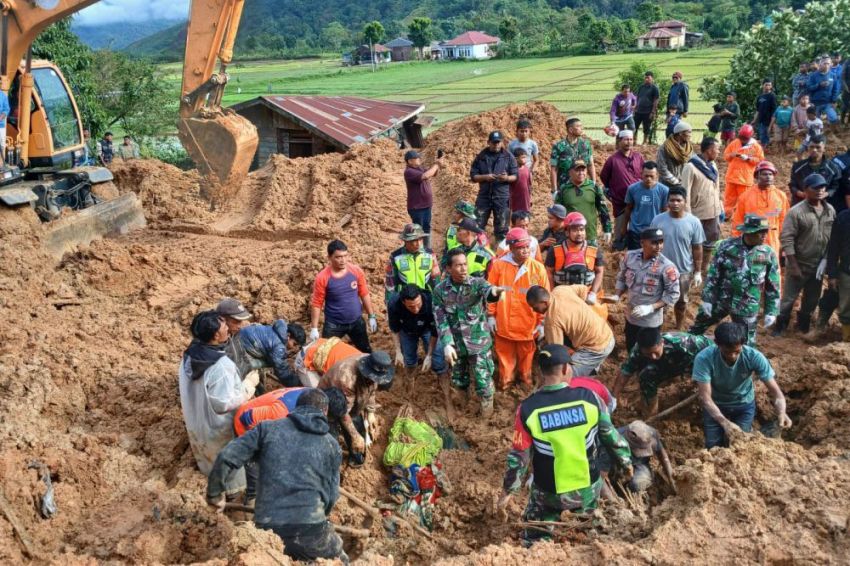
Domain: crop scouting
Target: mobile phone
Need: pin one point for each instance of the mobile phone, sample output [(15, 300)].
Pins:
[(439, 153)]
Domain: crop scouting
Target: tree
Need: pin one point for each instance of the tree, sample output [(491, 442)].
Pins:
[(776, 53), (508, 28), (373, 32), (726, 18), (648, 12), (598, 33), (334, 35), (421, 32)]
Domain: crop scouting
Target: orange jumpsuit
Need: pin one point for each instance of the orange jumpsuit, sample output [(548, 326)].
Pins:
[(770, 203), (740, 173), (515, 321)]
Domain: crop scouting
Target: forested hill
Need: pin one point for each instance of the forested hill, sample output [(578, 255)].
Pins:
[(293, 27)]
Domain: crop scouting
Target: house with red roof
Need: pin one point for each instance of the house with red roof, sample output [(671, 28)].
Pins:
[(667, 34), (469, 45)]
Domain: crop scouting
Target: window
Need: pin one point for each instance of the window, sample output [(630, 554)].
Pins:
[(63, 120)]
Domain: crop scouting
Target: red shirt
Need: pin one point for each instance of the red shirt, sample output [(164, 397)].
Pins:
[(419, 193), (617, 174), (521, 190)]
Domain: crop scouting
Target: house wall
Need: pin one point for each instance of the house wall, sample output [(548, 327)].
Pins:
[(402, 53), (268, 123)]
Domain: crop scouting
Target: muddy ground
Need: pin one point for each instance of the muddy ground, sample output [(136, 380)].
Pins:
[(88, 387)]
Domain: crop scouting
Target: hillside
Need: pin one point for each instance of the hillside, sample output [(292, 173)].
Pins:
[(165, 45), (118, 35)]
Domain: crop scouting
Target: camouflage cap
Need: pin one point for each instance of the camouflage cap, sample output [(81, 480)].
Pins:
[(466, 208), (753, 224), (412, 232)]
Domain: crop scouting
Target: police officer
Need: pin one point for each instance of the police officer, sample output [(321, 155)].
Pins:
[(650, 280), (478, 257), (656, 359), (742, 271), (410, 264), (558, 431), (463, 209)]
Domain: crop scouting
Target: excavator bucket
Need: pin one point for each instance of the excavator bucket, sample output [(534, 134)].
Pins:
[(222, 145), (109, 218)]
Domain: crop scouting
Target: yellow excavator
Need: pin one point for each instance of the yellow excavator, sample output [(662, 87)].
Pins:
[(43, 162)]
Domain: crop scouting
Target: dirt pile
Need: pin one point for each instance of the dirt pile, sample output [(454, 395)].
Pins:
[(88, 365)]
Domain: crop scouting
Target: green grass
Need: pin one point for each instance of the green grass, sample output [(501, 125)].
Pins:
[(451, 90)]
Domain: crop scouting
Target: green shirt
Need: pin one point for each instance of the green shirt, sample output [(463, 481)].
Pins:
[(589, 200), (731, 385)]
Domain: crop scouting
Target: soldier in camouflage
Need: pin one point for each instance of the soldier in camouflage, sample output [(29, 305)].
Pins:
[(656, 359), (742, 271), (460, 310), (558, 431)]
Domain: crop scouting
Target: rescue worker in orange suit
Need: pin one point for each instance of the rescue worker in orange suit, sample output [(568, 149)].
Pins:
[(765, 200), (742, 155), (511, 319), (576, 262)]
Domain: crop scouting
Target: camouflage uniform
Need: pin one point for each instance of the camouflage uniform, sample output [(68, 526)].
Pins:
[(565, 153), (736, 281), (680, 349), (460, 310)]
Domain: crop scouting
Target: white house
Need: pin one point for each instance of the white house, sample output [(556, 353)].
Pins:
[(669, 34), (470, 45)]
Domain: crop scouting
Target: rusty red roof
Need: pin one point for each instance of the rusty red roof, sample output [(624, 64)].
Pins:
[(472, 38), (659, 33), (341, 120), (668, 24)]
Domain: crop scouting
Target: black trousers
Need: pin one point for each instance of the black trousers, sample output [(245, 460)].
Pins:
[(631, 335), (356, 331)]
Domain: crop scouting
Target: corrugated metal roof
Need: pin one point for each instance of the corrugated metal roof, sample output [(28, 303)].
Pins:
[(342, 120), (399, 42), (659, 33), (668, 24), (472, 38)]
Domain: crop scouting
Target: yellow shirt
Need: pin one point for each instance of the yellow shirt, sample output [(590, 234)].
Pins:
[(570, 317)]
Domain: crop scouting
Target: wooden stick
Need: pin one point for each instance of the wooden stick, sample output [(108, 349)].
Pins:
[(362, 504), (676, 407), (341, 529), (16, 525)]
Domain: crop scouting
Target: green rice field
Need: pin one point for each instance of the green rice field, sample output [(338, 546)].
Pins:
[(450, 90)]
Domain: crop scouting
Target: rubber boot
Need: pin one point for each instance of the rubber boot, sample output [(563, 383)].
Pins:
[(487, 407), (780, 326), (804, 323), (845, 332)]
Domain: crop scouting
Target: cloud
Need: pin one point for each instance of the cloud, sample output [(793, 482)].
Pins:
[(116, 11)]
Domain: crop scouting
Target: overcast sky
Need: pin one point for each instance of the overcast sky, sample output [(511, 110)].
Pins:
[(112, 11)]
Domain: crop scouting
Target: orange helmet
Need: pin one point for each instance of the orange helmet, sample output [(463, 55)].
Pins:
[(575, 219), (765, 166)]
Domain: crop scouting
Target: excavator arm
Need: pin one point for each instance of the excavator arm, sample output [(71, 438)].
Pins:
[(221, 143)]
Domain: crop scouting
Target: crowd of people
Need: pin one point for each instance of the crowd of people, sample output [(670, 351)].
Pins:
[(480, 313)]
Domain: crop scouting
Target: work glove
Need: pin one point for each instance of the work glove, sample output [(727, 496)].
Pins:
[(314, 334), (249, 384), (373, 324), (606, 238), (450, 354), (821, 270), (426, 364), (698, 279), (706, 308), (769, 320), (539, 331), (399, 358), (591, 298), (614, 298), (491, 323), (641, 311)]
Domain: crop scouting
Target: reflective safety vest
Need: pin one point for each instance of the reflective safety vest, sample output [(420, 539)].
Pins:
[(451, 238), (563, 425), (414, 269), (575, 265), (477, 260)]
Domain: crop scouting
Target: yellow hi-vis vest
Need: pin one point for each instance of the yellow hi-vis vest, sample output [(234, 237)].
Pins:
[(414, 269)]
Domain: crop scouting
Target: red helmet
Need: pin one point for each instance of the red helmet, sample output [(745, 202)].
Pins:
[(575, 219), (765, 166), (746, 131), (517, 237)]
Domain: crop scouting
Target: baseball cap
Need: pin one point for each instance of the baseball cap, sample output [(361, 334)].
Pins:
[(553, 355), (495, 136), (232, 308), (411, 154), (653, 234), (578, 164), (641, 438), (469, 224), (557, 210), (815, 181)]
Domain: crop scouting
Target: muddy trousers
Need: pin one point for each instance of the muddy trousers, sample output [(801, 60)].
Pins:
[(742, 415), (703, 322), (513, 356), (544, 506), (480, 368), (306, 543), (811, 288), (501, 211)]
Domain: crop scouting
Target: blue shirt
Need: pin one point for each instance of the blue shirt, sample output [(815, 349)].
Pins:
[(731, 385), (4, 108), (783, 116), (648, 203), (823, 88)]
